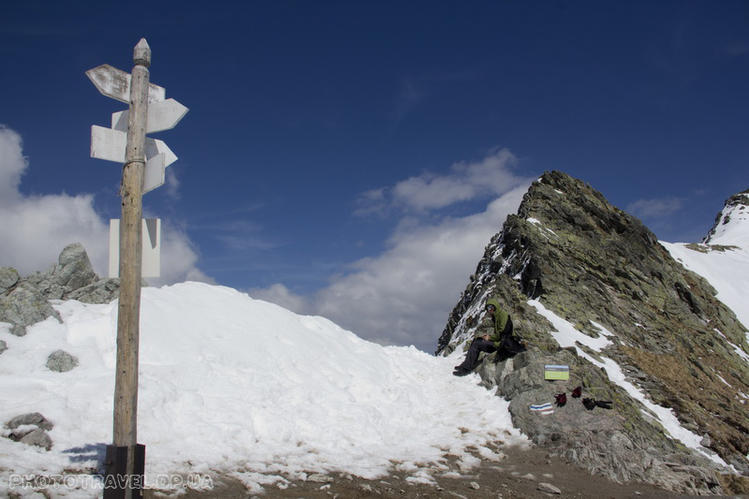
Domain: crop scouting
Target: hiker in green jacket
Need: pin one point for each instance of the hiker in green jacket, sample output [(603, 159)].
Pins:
[(493, 333)]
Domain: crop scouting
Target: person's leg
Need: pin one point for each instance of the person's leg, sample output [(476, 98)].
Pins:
[(477, 345)]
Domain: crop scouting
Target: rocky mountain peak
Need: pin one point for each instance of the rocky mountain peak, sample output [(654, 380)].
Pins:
[(731, 227), (633, 317)]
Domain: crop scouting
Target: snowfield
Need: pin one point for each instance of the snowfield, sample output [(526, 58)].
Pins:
[(238, 386)]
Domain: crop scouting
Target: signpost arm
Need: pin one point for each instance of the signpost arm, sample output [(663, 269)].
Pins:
[(128, 318)]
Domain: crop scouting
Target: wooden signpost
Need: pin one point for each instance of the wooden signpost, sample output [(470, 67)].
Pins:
[(143, 170)]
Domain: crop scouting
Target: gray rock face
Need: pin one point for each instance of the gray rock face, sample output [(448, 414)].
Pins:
[(587, 261), (73, 278), (100, 291), (61, 361), (23, 306), (3, 346), (24, 301), (619, 443), (8, 278)]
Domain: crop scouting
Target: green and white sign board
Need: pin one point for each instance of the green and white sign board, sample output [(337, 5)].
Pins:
[(555, 372)]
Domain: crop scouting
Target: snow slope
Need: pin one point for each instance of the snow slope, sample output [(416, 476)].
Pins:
[(724, 260), (233, 385)]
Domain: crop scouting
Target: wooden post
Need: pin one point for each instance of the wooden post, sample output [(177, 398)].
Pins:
[(128, 318)]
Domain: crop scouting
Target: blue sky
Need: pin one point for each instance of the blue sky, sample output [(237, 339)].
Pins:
[(352, 158)]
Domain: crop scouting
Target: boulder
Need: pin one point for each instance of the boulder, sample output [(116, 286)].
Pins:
[(37, 437), (31, 429), (3, 346), (61, 361), (31, 418), (74, 268)]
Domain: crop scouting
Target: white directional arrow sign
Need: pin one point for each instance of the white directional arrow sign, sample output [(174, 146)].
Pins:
[(154, 173), (109, 145), (163, 115), (115, 83)]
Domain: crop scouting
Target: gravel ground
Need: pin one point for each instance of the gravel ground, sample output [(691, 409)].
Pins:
[(524, 473)]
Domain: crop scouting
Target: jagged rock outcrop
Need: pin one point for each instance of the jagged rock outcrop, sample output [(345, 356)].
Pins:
[(600, 269), (73, 278), (25, 301)]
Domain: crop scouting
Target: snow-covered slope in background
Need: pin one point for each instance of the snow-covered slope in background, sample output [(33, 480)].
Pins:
[(233, 385), (732, 224), (723, 259)]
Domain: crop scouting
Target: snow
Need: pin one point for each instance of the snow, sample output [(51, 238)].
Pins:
[(733, 226), (229, 384), (726, 268), (727, 271), (540, 225), (567, 336)]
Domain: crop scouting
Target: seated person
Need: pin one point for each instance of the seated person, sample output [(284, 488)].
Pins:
[(493, 334)]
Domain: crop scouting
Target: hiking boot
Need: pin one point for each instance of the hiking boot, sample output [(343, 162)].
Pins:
[(460, 371)]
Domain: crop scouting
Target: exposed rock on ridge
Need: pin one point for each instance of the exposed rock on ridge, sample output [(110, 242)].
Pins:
[(25, 301), (588, 261)]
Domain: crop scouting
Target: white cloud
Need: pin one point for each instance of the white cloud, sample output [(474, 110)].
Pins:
[(12, 165), (466, 181), (404, 295), (36, 228), (172, 183), (655, 208)]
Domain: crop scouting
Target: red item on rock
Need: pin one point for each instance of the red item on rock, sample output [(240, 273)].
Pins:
[(561, 399)]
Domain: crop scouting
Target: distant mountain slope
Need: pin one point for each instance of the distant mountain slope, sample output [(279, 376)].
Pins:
[(576, 272), (723, 256)]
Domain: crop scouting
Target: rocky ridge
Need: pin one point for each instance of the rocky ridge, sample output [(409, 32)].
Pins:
[(605, 273), (25, 300)]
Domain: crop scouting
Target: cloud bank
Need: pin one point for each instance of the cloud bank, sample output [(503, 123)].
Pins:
[(404, 295), (36, 228)]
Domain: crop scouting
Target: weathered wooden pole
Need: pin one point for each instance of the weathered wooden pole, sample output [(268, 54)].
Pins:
[(128, 318)]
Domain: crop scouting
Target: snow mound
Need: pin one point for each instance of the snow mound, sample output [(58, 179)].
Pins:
[(230, 384)]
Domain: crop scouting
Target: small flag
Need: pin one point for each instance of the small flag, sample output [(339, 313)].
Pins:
[(544, 409), (554, 372)]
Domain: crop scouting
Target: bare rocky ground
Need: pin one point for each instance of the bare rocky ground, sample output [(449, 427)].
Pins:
[(522, 474)]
